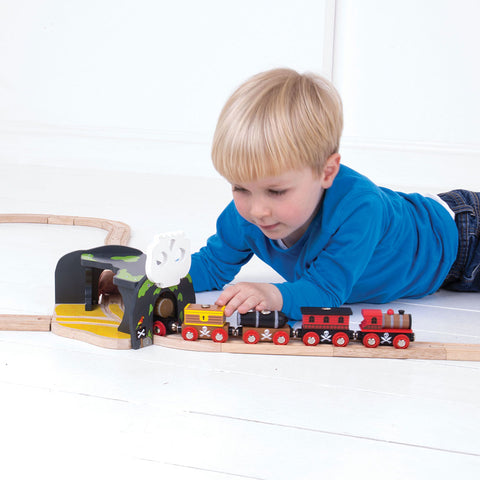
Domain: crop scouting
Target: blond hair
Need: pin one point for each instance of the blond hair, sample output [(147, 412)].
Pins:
[(277, 121)]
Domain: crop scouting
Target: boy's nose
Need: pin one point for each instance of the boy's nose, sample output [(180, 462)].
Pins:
[(260, 210)]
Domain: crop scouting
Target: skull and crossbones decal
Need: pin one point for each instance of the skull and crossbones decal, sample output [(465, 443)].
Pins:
[(326, 336), (386, 338), (267, 335), (204, 332)]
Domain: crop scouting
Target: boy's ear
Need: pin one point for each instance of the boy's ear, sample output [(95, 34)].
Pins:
[(332, 166)]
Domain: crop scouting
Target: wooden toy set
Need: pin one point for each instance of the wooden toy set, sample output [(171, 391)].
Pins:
[(319, 325), (153, 303)]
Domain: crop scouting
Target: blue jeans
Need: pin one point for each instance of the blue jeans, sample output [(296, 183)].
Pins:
[(464, 276)]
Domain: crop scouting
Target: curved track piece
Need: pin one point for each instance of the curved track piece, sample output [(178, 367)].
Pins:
[(118, 233)]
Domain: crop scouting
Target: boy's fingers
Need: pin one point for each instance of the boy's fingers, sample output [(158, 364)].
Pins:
[(244, 297), (236, 303), (227, 293), (237, 300), (249, 304), (261, 306), (224, 297)]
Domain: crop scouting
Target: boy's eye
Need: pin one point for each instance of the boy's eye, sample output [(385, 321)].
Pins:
[(277, 192), (236, 188)]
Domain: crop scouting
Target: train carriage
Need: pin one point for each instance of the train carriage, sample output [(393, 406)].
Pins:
[(326, 325), (264, 326), (204, 321)]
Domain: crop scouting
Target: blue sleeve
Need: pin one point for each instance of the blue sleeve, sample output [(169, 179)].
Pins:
[(216, 264), (330, 277)]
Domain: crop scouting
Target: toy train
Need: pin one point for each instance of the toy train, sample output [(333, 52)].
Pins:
[(319, 325)]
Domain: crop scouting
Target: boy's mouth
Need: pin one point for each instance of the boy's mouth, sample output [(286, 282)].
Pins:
[(269, 227)]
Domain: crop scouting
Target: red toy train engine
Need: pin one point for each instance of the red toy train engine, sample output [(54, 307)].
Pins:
[(378, 328)]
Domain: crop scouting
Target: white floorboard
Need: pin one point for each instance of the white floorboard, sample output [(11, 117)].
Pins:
[(67, 406)]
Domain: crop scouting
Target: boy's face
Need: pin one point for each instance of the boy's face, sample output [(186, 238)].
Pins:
[(282, 207)]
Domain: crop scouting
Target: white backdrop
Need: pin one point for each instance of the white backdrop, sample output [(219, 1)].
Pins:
[(409, 76), (138, 84)]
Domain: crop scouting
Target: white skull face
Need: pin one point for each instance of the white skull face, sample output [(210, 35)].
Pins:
[(168, 259)]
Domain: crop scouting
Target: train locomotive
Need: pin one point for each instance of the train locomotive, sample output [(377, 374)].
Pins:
[(388, 328), (318, 325)]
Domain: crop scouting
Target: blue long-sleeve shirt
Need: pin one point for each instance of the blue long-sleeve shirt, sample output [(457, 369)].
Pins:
[(366, 244)]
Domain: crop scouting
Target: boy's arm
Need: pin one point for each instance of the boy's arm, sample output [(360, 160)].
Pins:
[(216, 264)]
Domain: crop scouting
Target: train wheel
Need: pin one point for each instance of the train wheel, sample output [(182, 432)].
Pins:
[(190, 334), (159, 328), (219, 335), (371, 340), (340, 339), (250, 336), (311, 339), (281, 338), (401, 341)]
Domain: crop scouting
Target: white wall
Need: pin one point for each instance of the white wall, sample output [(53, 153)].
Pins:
[(409, 76), (138, 83)]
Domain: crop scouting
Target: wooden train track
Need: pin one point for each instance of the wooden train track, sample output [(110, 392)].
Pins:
[(119, 233), (417, 350)]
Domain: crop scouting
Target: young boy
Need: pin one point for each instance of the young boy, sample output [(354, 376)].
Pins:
[(333, 235)]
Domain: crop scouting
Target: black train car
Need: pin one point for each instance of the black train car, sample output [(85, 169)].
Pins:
[(263, 326)]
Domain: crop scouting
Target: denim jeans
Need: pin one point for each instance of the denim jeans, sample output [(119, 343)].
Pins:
[(464, 275)]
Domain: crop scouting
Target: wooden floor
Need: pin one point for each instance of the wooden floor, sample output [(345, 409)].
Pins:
[(67, 406)]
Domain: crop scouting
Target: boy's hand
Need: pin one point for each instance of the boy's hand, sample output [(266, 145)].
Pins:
[(245, 296)]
